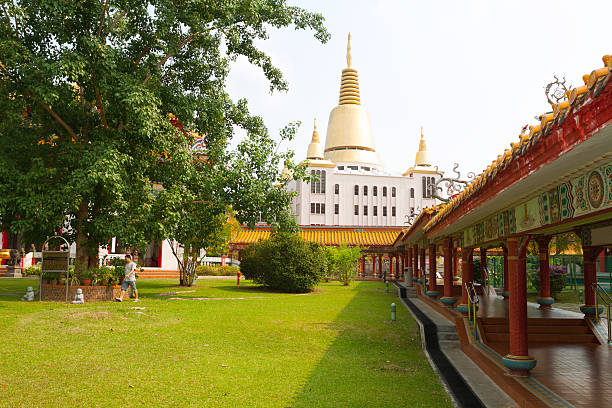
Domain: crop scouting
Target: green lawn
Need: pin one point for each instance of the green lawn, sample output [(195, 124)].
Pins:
[(333, 348)]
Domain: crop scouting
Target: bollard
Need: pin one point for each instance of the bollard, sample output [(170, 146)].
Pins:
[(392, 312), (238, 277), (387, 285)]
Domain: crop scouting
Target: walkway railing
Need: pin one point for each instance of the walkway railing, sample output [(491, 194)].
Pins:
[(488, 290), (473, 301), (600, 293)]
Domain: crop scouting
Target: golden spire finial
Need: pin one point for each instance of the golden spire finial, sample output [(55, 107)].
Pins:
[(315, 134), (315, 123), (421, 132), (349, 57)]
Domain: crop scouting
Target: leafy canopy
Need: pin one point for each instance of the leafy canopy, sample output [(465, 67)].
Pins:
[(87, 93)]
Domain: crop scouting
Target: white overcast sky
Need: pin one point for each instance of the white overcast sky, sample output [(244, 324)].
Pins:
[(471, 72)]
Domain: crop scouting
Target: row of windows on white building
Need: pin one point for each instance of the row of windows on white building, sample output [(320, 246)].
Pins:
[(319, 208), (318, 187)]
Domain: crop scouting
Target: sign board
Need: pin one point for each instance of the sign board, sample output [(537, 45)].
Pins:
[(55, 261)]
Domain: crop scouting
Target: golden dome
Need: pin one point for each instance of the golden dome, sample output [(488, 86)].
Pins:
[(349, 133)]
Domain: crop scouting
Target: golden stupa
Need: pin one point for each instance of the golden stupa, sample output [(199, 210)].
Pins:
[(422, 163), (315, 150), (349, 133)]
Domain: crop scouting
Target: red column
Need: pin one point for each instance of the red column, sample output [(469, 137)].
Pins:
[(397, 266), (456, 263), (448, 298), (589, 255), (506, 291), (391, 269), (400, 272), (432, 272), (467, 275), (380, 265), (518, 360), (373, 265), (422, 262), (415, 267), (545, 300)]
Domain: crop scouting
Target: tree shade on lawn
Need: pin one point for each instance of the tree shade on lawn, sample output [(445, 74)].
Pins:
[(248, 348)]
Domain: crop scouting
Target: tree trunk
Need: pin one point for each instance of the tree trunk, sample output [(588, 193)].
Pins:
[(82, 253)]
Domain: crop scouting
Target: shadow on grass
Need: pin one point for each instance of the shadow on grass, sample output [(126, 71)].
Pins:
[(372, 361)]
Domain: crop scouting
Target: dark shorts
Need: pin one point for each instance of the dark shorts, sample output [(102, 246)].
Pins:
[(126, 284)]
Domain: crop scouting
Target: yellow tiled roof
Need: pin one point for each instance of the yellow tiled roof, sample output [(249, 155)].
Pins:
[(329, 237), (594, 84)]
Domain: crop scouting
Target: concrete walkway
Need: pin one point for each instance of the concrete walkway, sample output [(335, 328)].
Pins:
[(485, 389)]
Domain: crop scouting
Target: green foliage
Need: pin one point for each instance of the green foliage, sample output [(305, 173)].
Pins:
[(224, 270), (86, 93), (342, 261), (285, 262), (558, 279), (31, 270)]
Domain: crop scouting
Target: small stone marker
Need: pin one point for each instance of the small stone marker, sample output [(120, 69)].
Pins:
[(29, 295), (78, 297)]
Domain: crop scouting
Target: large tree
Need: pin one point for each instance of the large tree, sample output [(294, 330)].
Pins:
[(101, 98)]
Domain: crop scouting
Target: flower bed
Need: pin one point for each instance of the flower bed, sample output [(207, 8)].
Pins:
[(91, 293)]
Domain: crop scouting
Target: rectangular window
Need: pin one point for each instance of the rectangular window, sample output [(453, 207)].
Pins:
[(393, 211), (375, 191), (411, 210), (365, 210), (312, 183), (384, 191), (323, 208), (365, 190), (340, 167), (337, 189), (384, 211), (356, 189), (323, 181), (392, 191), (375, 211), (356, 210), (318, 208), (353, 167), (424, 185), (312, 208), (318, 183), (336, 209)]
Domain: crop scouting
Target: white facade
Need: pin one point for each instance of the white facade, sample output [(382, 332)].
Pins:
[(381, 199)]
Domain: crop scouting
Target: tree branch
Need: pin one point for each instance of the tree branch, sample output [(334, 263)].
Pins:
[(169, 55), (99, 103), (102, 18), (116, 20)]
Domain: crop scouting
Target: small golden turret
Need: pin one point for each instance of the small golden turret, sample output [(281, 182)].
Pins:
[(422, 156), (315, 150)]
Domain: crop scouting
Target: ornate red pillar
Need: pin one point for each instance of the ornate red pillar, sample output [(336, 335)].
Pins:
[(432, 288), (467, 275), (448, 298), (422, 262), (455, 263), (374, 265), (397, 266), (589, 255), (506, 291), (518, 360), (415, 267), (401, 265), (391, 269), (545, 300)]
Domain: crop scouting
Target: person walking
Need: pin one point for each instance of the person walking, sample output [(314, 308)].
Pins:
[(129, 279)]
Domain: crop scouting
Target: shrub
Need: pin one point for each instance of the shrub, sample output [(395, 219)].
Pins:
[(558, 279), (342, 261), (31, 270), (285, 262), (227, 270), (206, 270)]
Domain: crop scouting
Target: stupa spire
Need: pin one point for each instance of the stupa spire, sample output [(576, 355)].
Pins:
[(349, 84), (315, 150), (422, 156), (315, 134)]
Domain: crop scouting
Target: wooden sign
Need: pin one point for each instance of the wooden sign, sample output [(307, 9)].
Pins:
[(55, 261)]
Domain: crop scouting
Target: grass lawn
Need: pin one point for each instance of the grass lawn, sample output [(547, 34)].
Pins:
[(332, 348)]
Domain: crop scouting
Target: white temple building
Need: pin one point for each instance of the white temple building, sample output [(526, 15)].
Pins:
[(352, 187)]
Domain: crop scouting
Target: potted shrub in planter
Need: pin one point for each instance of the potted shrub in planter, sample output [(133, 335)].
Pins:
[(86, 278)]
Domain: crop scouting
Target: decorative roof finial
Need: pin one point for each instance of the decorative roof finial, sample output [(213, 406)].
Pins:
[(421, 132), (315, 123), (349, 57)]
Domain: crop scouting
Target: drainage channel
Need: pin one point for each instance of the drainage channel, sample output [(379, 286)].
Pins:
[(462, 393)]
